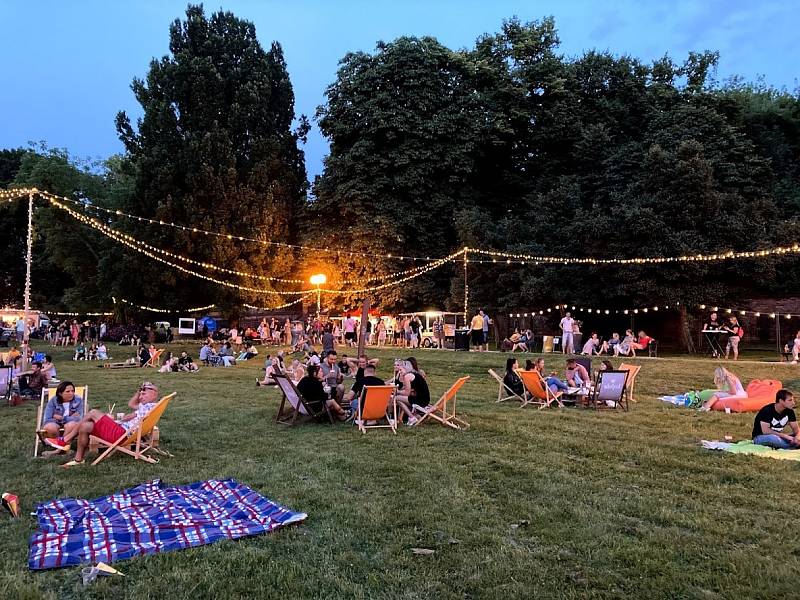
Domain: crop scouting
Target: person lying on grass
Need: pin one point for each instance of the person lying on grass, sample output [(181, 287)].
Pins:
[(313, 391), (99, 424), (772, 419)]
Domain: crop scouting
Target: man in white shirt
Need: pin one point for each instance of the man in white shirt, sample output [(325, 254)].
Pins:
[(566, 326)]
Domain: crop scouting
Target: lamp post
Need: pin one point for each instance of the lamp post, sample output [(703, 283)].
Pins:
[(318, 280)]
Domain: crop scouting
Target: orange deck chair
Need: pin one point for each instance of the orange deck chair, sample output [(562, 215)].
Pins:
[(538, 390), (153, 362), (374, 406), (136, 437), (439, 410)]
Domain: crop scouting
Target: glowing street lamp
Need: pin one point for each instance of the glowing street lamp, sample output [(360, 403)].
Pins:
[(318, 280)]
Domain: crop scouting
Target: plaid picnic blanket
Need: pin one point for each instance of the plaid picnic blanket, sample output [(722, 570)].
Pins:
[(150, 518)]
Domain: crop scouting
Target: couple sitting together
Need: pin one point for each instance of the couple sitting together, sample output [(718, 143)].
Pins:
[(65, 408), (576, 377)]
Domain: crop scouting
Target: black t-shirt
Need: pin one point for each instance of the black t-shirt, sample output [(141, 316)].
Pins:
[(365, 380), (420, 394), (777, 422), (184, 360), (312, 390)]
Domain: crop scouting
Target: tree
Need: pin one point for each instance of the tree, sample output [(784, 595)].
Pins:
[(214, 150)]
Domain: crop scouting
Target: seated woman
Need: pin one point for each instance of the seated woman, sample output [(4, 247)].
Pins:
[(250, 352), (643, 342), (415, 366), (613, 343), (594, 346), (144, 355), (315, 396), (102, 351), (625, 347), (272, 366), (65, 409), (414, 390), (521, 345), (91, 353), (556, 386), (296, 371), (511, 380), (727, 385)]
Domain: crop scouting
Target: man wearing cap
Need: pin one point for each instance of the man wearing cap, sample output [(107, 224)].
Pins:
[(99, 424)]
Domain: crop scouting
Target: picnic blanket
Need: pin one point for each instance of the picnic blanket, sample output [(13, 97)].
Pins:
[(150, 518), (748, 447)]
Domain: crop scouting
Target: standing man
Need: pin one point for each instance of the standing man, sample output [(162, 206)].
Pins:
[(20, 327), (566, 326), (486, 322), (350, 331), (772, 419), (476, 331)]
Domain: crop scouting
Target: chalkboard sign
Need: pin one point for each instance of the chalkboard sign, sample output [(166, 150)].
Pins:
[(611, 385)]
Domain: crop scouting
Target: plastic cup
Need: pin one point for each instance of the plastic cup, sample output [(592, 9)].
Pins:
[(120, 416), (727, 410)]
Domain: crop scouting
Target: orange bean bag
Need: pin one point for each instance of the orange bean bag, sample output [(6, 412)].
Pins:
[(760, 392)]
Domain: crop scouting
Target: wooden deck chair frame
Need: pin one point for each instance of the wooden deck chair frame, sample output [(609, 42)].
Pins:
[(504, 392), (633, 371), (298, 409), (47, 393), (610, 386), (374, 405), (153, 362), (538, 390), (439, 411), (139, 437)]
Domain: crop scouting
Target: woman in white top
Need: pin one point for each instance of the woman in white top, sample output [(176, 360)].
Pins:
[(729, 386), (796, 348)]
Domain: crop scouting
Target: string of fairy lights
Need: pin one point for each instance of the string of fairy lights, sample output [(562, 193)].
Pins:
[(203, 269), (648, 309)]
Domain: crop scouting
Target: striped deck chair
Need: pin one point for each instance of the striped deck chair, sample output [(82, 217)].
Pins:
[(298, 406), (538, 390), (153, 362), (439, 410), (504, 392), (47, 394), (138, 437), (374, 406), (633, 371)]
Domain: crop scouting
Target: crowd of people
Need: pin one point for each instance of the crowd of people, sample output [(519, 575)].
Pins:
[(523, 341)]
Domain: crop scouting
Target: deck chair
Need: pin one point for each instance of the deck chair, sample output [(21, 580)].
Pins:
[(153, 362), (633, 371), (297, 405), (439, 410), (610, 387), (504, 392), (140, 437), (374, 406), (538, 390), (47, 394), (5, 382)]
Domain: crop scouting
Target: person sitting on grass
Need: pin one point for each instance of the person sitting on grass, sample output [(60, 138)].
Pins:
[(226, 355), (49, 368), (414, 390), (311, 388), (772, 419), (727, 385), (250, 352), (511, 379), (594, 346), (272, 366), (80, 352), (103, 426), (102, 351), (185, 363), (62, 410), (296, 371), (625, 347), (33, 381)]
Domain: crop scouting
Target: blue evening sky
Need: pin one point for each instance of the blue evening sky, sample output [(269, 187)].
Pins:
[(67, 66)]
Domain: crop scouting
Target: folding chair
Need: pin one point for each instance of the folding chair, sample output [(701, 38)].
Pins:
[(504, 392), (374, 406), (633, 371), (137, 437), (610, 387), (538, 390), (298, 406), (5, 382), (153, 362), (47, 394), (439, 410)]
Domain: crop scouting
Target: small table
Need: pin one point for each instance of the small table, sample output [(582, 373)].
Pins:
[(712, 338)]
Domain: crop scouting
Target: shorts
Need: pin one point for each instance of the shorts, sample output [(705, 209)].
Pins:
[(350, 335), (476, 336), (107, 429)]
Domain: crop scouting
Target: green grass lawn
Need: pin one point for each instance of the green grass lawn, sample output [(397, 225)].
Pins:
[(556, 503)]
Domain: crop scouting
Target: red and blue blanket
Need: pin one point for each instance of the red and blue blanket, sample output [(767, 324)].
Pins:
[(150, 518)]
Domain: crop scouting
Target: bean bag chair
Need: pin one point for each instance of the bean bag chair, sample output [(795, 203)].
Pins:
[(760, 392)]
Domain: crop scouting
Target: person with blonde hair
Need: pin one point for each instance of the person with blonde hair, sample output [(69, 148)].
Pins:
[(728, 386)]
